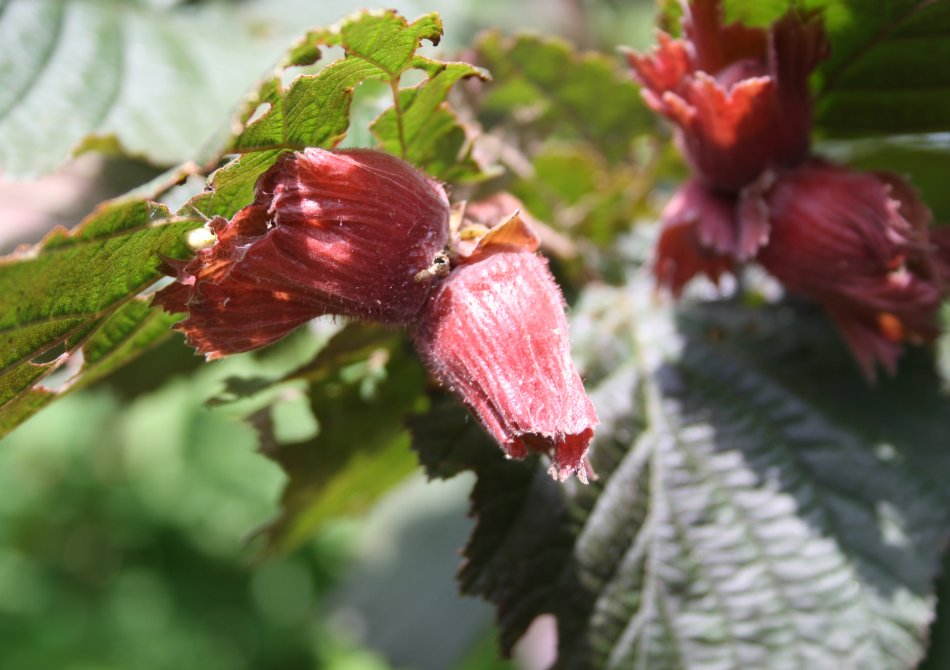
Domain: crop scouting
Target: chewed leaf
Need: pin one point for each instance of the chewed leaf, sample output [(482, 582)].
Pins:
[(73, 290), (385, 38), (314, 110), (232, 187)]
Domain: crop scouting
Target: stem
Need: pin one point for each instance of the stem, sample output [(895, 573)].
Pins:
[(397, 109)]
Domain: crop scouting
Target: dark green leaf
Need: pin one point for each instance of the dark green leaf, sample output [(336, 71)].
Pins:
[(938, 655), (360, 388), (887, 69), (73, 290), (758, 504), (449, 442), (521, 535), (886, 73)]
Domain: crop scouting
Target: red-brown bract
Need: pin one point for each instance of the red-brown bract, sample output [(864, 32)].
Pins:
[(738, 96), (858, 243), (697, 237), (494, 332), (329, 232)]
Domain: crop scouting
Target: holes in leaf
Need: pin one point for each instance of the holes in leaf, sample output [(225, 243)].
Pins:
[(328, 55), (412, 77), (50, 355), (261, 110), (66, 368)]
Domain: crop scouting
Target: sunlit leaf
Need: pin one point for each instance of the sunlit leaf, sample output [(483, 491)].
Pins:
[(314, 109), (73, 290), (232, 187), (432, 135)]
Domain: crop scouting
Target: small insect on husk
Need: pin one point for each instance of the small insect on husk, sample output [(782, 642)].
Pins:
[(440, 267)]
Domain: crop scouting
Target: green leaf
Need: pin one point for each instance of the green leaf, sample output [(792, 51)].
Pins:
[(314, 109), (360, 388), (573, 188), (760, 13), (938, 656), (425, 130), (73, 290), (130, 331), (583, 95), (155, 83), (758, 504), (886, 73), (231, 187)]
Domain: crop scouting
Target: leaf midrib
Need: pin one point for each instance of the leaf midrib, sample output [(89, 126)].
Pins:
[(849, 551)]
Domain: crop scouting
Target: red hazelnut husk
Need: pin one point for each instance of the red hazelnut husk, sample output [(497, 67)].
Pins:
[(329, 232), (859, 244), (697, 237), (738, 96)]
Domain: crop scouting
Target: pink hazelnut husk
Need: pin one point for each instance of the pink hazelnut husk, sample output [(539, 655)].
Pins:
[(494, 332)]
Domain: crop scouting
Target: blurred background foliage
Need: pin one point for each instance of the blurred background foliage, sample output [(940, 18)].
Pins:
[(126, 527), (128, 510)]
